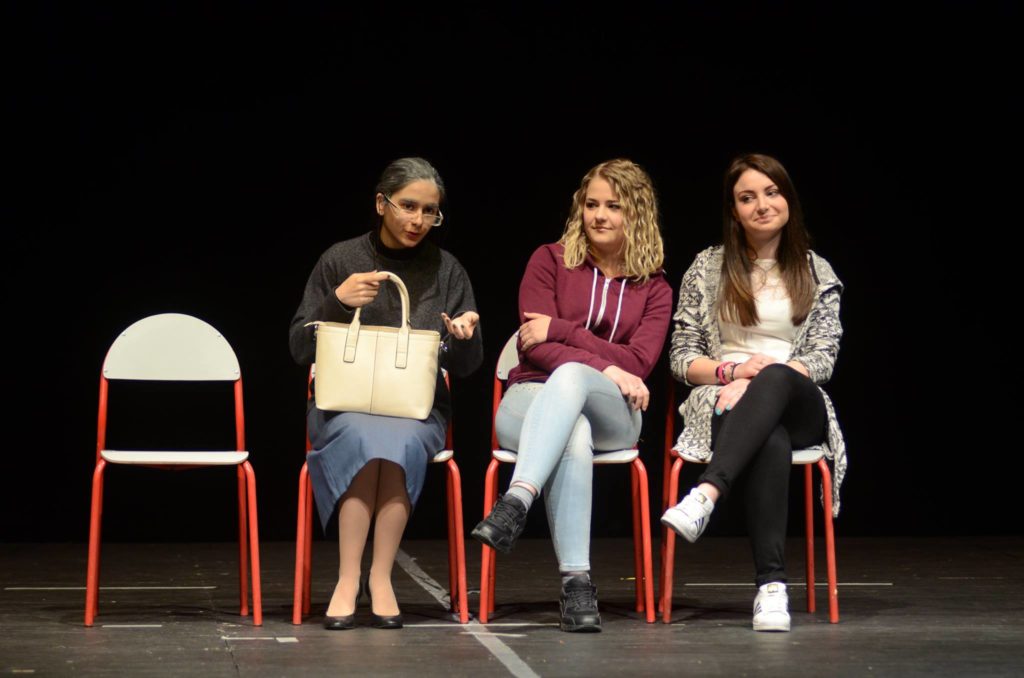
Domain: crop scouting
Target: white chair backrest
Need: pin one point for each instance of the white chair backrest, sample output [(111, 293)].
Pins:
[(509, 357), (171, 347)]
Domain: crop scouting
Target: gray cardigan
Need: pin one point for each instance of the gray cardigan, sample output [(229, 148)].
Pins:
[(436, 283), (697, 335)]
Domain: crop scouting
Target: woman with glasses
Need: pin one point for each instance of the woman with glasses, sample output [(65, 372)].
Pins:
[(757, 331), (371, 468), (595, 310)]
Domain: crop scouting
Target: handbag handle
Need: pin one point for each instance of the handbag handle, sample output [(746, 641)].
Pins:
[(402, 350)]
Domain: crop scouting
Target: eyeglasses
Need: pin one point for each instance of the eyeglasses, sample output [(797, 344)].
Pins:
[(409, 208)]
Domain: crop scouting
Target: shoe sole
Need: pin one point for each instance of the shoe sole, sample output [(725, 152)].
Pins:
[(485, 539), (771, 627), (569, 627), (667, 522)]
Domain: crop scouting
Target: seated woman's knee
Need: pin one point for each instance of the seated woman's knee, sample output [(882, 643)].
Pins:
[(568, 376), (777, 375)]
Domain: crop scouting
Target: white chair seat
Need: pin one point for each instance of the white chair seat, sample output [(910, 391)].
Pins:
[(183, 458), (809, 456), (800, 457), (442, 456), (617, 457)]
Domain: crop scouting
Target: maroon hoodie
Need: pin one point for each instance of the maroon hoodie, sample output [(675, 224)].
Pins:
[(595, 320)]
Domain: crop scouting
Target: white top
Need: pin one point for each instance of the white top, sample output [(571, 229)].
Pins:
[(775, 332)]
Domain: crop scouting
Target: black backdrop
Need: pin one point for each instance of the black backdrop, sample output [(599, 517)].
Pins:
[(199, 161)]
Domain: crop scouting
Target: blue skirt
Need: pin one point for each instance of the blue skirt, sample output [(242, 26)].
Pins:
[(343, 443)]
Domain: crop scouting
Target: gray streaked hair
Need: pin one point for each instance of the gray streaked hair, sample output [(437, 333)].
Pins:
[(402, 172)]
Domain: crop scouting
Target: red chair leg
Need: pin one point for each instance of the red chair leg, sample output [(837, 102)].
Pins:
[(487, 555), (450, 516), (307, 570), (300, 548), (809, 531), (92, 577), (830, 544), (668, 565), (645, 522), (458, 535), (638, 565), (254, 546), (243, 546)]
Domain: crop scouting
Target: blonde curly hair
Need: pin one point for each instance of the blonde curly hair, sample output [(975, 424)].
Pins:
[(643, 251)]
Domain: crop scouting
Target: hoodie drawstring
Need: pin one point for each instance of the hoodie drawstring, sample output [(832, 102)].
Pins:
[(593, 292), (618, 310)]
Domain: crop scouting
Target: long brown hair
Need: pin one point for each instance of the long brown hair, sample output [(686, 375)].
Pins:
[(643, 251), (737, 296)]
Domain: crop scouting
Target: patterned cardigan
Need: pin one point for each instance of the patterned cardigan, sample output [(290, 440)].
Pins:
[(696, 335)]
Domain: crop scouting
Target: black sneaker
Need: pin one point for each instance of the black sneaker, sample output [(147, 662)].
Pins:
[(578, 604), (502, 527)]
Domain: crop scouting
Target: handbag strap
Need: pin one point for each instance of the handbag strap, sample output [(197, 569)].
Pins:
[(402, 350)]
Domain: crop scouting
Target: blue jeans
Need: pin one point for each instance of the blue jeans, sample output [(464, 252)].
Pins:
[(555, 428)]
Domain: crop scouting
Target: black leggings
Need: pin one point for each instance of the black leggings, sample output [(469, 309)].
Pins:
[(782, 410)]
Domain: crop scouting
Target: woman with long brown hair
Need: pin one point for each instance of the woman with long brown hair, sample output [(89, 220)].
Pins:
[(757, 331)]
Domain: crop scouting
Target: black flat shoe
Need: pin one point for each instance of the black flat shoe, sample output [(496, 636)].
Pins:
[(392, 622), (340, 623)]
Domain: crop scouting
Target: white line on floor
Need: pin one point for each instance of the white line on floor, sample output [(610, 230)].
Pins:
[(793, 584), (280, 639), (133, 626), (502, 652), (110, 588), (448, 625), (480, 634)]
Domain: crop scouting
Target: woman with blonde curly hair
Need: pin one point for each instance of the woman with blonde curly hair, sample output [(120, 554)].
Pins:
[(595, 310)]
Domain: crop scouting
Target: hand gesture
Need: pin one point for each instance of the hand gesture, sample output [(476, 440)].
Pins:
[(359, 289), (749, 368), (535, 330), (731, 394), (462, 327), (632, 387)]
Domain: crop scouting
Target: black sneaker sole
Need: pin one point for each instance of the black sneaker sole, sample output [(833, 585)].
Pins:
[(482, 534), (570, 626)]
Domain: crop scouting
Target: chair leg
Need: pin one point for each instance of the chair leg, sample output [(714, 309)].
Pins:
[(92, 577), (307, 568), (254, 546), (450, 515), (460, 542), (645, 523), (638, 565), (243, 546), (300, 548), (830, 545), (809, 531), (487, 555), (669, 537)]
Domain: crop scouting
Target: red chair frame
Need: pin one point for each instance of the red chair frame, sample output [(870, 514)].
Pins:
[(671, 497), (248, 530)]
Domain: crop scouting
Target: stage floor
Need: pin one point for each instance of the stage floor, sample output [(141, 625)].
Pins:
[(913, 606)]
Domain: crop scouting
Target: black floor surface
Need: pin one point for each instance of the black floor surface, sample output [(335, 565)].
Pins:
[(949, 606)]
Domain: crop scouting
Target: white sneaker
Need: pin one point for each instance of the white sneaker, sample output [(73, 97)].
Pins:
[(690, 516), (771, 608)]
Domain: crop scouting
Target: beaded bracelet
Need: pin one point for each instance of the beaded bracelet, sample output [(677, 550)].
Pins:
[(720, 372)]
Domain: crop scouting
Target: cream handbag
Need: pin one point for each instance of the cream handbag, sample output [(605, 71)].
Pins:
[(390, 371)]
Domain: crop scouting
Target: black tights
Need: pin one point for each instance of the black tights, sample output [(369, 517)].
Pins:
[(782, 410)]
